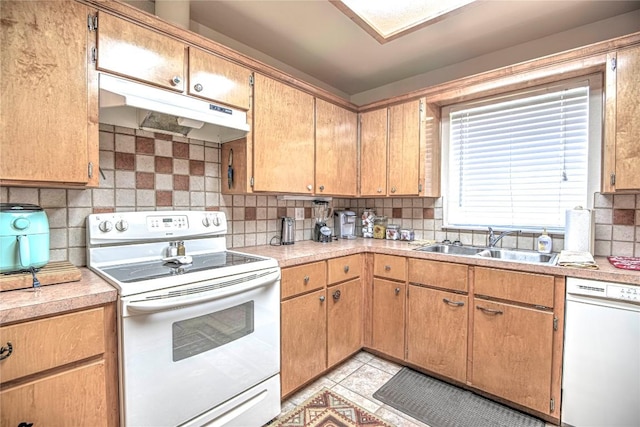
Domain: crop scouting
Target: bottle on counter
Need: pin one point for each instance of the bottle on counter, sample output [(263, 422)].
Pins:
[(545, 243), (172, 250), (181, 249)]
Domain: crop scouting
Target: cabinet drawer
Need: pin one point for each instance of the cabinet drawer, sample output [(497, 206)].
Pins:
[(343, 268), (527, 288), (438, 274), (55, 341), (389, 266), (303, 278)]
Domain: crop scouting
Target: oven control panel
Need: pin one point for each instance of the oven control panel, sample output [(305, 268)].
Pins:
[(116, 227)]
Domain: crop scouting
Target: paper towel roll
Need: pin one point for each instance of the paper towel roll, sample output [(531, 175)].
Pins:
[(579, 230)]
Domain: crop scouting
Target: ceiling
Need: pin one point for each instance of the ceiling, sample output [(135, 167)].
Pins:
[(313, 36)]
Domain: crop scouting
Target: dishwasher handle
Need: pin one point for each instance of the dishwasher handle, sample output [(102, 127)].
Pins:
[(192, 296)]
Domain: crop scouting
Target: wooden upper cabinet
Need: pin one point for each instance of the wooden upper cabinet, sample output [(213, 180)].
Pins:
[(373, 153), (48, 92), (133, 51), (283, 138), (336, 150), (621, 163), (218, 80), (404, 149)]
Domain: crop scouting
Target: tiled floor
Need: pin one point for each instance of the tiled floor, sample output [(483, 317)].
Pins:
[(356, 380)]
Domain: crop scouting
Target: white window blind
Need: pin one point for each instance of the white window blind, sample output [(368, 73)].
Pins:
[(519, 163)]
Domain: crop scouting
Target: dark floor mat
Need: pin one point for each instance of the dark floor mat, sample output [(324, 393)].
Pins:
[(439, 404)]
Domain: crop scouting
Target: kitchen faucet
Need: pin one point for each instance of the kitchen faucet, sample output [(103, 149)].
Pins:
[(493, 239)]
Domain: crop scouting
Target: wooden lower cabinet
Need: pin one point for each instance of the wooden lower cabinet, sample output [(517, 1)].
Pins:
[(512, 353), (388, 317), (344, 320), (437, 331)]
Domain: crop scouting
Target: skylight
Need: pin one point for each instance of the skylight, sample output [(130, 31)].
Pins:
[(386, 20)]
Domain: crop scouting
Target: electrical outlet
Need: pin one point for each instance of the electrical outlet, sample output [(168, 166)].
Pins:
[(299, 214)]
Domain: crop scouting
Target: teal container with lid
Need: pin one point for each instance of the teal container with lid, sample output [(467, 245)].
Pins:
[(24, 237)]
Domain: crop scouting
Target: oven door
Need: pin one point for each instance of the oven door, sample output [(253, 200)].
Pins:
[(187, 349)]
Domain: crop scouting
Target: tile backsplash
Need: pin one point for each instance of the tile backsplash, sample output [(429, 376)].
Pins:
[(146, 171)]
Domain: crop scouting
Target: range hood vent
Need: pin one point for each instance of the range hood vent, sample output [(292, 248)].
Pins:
[(138, 106)]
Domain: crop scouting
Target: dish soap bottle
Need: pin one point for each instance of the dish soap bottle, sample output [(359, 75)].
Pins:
[(544, 242)]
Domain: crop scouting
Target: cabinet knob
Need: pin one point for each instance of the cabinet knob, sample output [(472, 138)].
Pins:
[(387, 268), (336, 295), (306, 279), (346, 268), (393, 189), (322, 298), (309, 187), (198, 87), (176, 80), (397, 290), (6, 350), (379, 190), (322, 188)]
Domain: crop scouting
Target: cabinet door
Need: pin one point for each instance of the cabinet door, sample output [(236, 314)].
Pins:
[(622, 125), (373, 153), (133, 51), (48, 119), (437, 331), (404, 149), (75, 397), (217, 79), (344, 320), (303, 340), (336, 150), (388, 309), (512, 353), (283, 138)]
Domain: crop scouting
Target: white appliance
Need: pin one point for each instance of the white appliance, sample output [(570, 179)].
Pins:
[(601, 370), (138, 106), (199, 334)]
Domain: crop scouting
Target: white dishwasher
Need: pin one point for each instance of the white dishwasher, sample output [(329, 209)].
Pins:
[(601, 370)]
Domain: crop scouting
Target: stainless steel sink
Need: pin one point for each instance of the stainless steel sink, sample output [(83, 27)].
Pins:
[(517, 255)]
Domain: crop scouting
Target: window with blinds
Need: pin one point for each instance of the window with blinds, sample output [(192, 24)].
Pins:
[(518, 161)]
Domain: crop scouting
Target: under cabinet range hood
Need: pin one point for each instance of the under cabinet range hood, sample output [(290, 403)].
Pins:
[(138, 106)]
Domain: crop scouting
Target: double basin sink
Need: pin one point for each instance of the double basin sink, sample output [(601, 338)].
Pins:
[(518, 255)]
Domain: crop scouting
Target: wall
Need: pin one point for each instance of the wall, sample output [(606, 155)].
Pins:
[(146, 171)]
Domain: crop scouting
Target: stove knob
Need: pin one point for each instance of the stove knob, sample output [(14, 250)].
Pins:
[(105, 226), (206, 221), (216, 221), (122, 225)]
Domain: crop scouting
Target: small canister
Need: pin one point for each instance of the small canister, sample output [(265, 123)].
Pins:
[(368, 217), (393, 232), (407, 234), (380, 227)]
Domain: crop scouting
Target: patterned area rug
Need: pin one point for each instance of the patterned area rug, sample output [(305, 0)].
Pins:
[(327, 409)]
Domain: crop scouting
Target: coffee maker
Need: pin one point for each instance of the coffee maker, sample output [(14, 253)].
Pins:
[(321, 213), (345, 224)]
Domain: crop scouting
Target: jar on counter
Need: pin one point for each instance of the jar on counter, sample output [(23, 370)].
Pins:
[(407, 234), (393, 232), (380, 227), (368, 217)]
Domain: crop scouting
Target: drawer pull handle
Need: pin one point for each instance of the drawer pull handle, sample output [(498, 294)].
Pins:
[(23, 424), (306, 279), (454, 303), (397, 290), (8, 349), (387, 268), (322, 298), (489, 310), (336, 295), (346, 268)]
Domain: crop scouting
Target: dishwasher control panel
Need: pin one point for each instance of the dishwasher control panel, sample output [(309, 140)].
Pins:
[(608, 290)]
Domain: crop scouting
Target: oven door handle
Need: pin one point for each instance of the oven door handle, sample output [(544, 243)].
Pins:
[(161, 304)]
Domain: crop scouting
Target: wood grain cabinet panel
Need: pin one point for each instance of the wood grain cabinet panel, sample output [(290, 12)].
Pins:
[(303, 339), (404, 149), (134, 51), (621, 163), (438, 274), (343, 268), (388, 306), (526, 288), (437, 331), (373, 153), (390, 267), (344, 321), (336, 150), (303, 278), (218, 80), (283, 138), (48, 93)]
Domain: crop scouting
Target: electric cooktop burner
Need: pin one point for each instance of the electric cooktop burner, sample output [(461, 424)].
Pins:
[(137, 272)]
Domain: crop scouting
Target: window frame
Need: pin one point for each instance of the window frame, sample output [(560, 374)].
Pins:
[(595, 141)]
